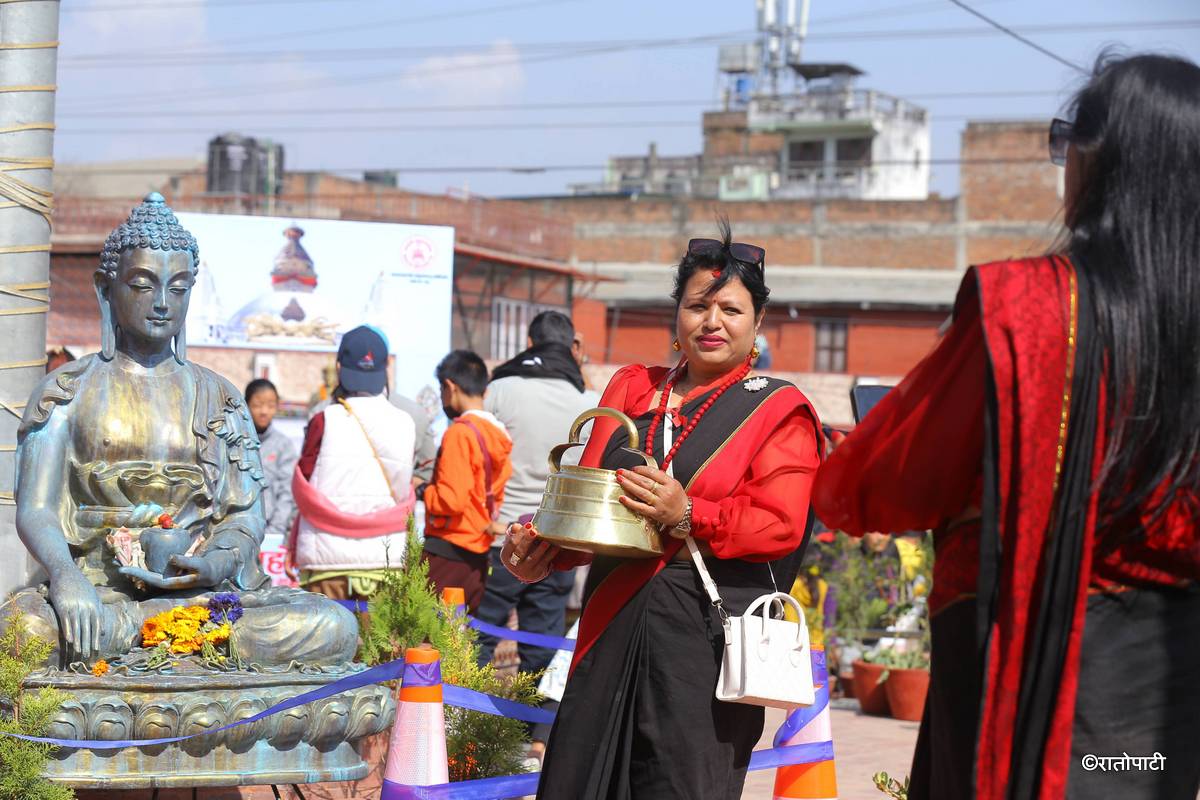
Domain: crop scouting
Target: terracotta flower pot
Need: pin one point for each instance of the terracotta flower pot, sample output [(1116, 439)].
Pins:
[(871, 694), (906, 690)]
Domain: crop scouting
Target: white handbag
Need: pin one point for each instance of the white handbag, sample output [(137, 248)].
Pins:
[(767, 661)]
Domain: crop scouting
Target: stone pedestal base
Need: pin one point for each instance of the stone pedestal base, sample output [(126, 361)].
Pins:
[(311, 743)]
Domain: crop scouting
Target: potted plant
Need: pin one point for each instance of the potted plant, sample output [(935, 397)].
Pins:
[(906, 679), (858, 612), (869, 686)]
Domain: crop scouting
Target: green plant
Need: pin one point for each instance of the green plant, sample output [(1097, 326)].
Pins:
[(855, 578), (895, 658), (890, 786), (404, 613), (26, 713)]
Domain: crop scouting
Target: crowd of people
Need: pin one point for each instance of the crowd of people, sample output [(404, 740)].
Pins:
[(1050, 442)]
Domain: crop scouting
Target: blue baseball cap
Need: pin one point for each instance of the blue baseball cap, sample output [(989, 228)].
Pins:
[(363, 357)]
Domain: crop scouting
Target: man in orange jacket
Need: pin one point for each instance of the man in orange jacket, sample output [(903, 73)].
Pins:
[(464, 496)]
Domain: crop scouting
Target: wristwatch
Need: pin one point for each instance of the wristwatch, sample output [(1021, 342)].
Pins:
[(684, 528)]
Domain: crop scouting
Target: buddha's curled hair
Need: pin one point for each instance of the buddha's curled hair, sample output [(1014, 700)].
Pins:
[(151, 224)]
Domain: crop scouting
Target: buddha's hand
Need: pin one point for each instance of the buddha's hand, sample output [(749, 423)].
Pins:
[(526, 556), (80, 615), (206, 570)]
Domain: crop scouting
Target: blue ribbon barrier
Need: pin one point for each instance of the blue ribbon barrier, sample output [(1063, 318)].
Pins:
[(393, 670), (521, 785), (496, 706), (524, 637), (802, 716)]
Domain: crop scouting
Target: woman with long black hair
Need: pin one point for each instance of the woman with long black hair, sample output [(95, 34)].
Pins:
[(1052, 440), (737, 454)]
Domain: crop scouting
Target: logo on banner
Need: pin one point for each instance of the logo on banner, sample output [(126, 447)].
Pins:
[(418, 252)]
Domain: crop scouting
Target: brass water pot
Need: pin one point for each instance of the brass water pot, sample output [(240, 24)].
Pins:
[(580, 509)]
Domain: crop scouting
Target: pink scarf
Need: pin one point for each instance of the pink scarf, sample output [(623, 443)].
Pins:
[(316, 508)]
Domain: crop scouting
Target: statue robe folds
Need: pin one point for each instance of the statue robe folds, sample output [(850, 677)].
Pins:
[(212, 489)]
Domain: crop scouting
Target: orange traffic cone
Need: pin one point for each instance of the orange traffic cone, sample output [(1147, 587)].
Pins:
[(818, 780), (417, 751), (454, 596)]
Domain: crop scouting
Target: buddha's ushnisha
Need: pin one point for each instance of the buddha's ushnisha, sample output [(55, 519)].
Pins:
[(121, 437)]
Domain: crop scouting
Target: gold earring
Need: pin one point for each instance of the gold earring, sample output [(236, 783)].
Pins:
[(675, 345), (754, 354)]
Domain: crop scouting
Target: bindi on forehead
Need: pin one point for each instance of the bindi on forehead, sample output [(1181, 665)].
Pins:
[(700, 288)]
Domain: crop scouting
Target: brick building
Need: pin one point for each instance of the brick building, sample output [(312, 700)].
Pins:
[(509, 263), (858, 287)]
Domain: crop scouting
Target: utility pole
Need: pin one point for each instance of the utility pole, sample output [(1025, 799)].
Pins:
[(28, 68)]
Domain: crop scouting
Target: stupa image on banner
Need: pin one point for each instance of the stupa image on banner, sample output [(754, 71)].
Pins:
[(293, 312)]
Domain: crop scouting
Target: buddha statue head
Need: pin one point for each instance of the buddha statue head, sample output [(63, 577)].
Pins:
[(144, 282)]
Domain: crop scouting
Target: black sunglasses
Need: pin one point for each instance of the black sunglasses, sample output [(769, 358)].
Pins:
[(1061, 134), (749, 254)]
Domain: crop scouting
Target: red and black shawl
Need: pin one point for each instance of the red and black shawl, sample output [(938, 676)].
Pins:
[(748, 468)]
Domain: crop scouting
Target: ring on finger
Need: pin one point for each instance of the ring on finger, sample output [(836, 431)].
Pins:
[(515, 559)]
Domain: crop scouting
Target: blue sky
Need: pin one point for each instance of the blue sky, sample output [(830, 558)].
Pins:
[(144, 79)]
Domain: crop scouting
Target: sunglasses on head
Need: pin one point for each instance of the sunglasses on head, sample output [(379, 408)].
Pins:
[(749, 254), (1061, 134)]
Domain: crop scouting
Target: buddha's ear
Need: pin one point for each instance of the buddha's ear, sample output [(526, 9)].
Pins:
[(108, 326), (181, 344)]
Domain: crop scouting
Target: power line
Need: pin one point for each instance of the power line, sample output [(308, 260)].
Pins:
[(544, 125), (158, 6), (308, 85), (374, 25), (223, 58), (892, 11), (497, 126), (506, 107), (340, 81), (387, 23), (1019, 37), (528, 169)]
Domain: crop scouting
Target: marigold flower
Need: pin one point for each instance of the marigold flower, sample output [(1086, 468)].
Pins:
[(183, 647), (197, 613), (219, 634), (100, 668)]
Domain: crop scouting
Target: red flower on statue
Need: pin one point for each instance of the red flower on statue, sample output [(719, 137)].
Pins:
[(165, 521)]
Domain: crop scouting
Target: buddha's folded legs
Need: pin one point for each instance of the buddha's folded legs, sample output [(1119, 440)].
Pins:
[(280, 625)]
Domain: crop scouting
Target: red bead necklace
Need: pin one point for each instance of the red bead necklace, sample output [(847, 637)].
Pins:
[(661, 411)]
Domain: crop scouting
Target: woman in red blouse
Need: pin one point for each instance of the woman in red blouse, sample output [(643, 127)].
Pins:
[(1052, 441), (738, 455)]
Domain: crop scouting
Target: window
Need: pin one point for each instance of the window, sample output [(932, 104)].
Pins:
[(510, 325), (854, 151), (831, 346), (805, 158)]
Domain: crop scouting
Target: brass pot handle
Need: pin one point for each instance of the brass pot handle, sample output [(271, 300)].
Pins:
[(573, 440)]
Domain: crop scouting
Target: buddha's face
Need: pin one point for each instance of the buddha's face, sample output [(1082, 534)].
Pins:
[(150, 295)]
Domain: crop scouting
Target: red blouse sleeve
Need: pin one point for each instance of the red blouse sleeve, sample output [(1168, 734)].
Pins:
[(917, 459), (313, 434), (765, 516)]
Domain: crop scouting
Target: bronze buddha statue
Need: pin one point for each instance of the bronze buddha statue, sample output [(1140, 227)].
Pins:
[(122, 436)]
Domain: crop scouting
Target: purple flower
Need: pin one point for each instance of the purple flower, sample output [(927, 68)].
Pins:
[(225, 607)]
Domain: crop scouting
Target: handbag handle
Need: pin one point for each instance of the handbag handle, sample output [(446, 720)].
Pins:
[(768, 601)]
